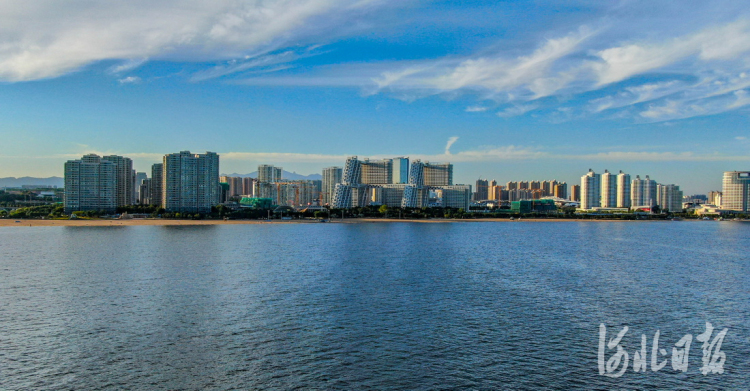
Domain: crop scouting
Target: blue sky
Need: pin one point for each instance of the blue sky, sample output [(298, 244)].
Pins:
[(508, 90)]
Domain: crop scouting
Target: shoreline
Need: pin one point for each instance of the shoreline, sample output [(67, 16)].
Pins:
[(170, 222)]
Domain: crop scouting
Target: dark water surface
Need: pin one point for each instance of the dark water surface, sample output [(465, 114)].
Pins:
[(512, 306)]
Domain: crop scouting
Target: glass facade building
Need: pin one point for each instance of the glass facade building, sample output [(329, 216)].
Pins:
[(735, 192)]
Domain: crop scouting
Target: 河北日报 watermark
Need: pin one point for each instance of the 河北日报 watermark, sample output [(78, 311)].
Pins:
[(713, 358)]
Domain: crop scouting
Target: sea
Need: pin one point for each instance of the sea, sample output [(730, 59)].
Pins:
[(377, 306)]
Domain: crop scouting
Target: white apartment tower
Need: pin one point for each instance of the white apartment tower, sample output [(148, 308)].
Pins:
[(191, 182), (643, 192), (590, 190), (609, 190), (623, 190), (90, 184)]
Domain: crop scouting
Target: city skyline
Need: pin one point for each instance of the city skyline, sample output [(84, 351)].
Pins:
[(510, 177), (507, 91)]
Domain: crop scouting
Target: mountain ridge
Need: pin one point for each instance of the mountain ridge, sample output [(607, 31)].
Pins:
[(32, 181)]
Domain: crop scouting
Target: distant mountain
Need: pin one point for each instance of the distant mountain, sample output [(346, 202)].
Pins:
[(285, 175), (27, 180), (60, 182)]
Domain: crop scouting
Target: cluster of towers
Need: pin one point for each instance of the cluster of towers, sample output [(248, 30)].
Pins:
[(610, 190), (397, 183)]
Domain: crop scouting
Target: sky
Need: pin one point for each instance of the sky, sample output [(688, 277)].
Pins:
[(504, 90)]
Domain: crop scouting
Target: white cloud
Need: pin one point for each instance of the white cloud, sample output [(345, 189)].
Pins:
[(532, 76), (261, 62), (713, 43), (637, 94), (48, 38), (703, 57), (687, 108), (450, 142), (517, 110), (130, 80), (128, 65)]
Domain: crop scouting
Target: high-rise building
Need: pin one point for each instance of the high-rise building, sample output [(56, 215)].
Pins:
[(235, 185), (548, 187), (643, 192), (376, 172), (511, 186), (248, 184), (482, 192), (90, 184), (400, 170), (265, 190), (191, 182), (438, 174), (268, 173), (157, 184), (669, 198), (609, 190), (575, 193), (415, 194), (361, 179), (455, 196), (139, 178), (560, 190), (390, 195), (144, 195), (495, 192), (623, 190), (735, 191), (590, 190), (125, 182), (331, 177), (295, 193), (343, 193)]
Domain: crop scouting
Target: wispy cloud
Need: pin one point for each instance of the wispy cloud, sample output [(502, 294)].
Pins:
[(265, 63), (690, 66), (448, 145), (517, 110), (687, 108), (36, 42), (531, 76), (722, 42), (130, 80), (128, 65)]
